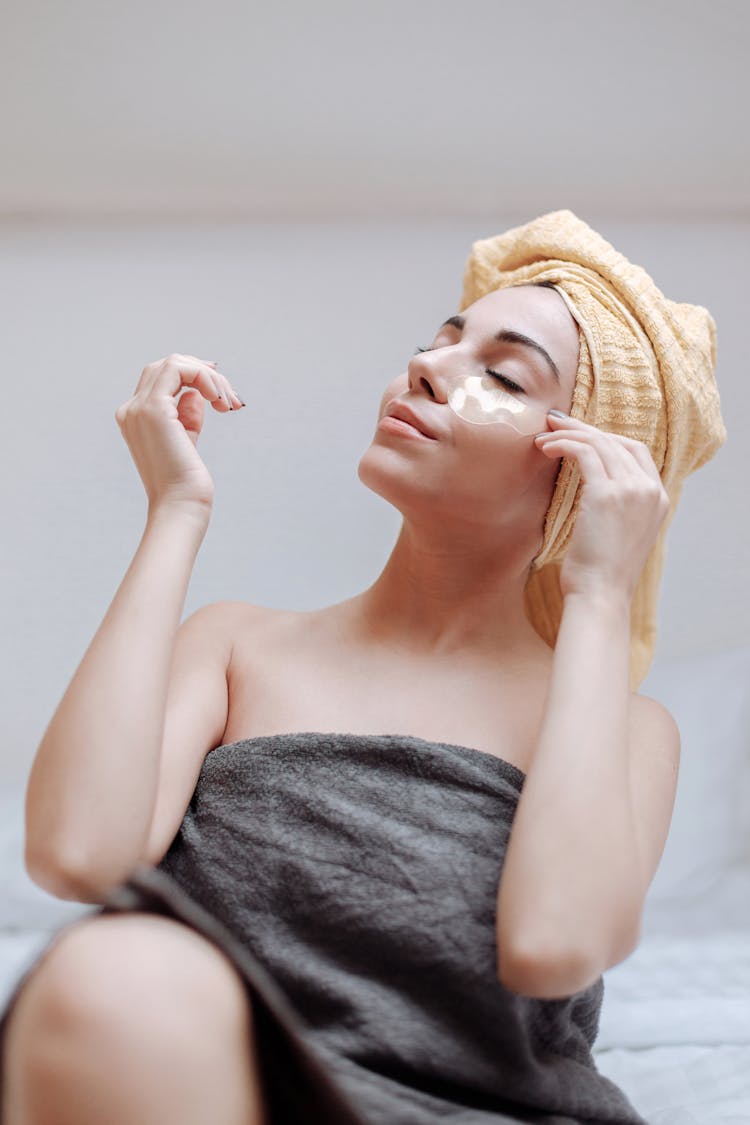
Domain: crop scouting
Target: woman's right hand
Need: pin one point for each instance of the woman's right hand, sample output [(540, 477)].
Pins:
[(161, 432)]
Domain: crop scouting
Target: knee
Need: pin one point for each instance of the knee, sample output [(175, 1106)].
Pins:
[(121, 994), (140, 971)]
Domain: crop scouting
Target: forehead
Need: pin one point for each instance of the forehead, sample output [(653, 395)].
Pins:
[(532, 307), (538, 312)]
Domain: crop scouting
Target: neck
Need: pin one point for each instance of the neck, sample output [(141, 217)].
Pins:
[(445, 593)]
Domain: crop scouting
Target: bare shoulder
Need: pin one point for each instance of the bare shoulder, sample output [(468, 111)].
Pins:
[(653, 728), (238, 612), (235, 613), (240, 621), (654, 744)]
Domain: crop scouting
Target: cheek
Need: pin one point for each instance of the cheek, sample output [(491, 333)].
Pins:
[(500, 455)]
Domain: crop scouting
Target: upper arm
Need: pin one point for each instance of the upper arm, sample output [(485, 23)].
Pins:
[(195, 719), (653, 749), (654, 766), (654, 759)]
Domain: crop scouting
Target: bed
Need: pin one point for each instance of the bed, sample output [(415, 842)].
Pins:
[(674, 1032)]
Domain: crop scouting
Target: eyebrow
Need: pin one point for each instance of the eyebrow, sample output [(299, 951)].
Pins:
[(507, 336)]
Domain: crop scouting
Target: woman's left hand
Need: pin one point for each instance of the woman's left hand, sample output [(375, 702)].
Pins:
[(622, 506)]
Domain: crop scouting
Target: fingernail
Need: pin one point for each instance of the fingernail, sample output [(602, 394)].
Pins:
[(558, 414), (212, 362)]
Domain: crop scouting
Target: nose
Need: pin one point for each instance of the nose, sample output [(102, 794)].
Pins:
[(427, 375)]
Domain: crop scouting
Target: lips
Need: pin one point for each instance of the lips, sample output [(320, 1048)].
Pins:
[(405, 414)]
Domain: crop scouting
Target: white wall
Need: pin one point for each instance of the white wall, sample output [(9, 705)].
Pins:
[(334, 108), (86, 307)]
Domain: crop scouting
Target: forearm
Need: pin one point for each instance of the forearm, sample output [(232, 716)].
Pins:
[(569, 878), (92, 786)]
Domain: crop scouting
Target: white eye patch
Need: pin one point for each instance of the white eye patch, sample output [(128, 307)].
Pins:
[(482, 399)]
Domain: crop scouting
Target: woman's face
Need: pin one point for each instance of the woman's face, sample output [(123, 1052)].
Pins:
[(482, 474)]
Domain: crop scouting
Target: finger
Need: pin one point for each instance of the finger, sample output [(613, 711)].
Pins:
[(586, 456), (172, 372), (223, 400), (190, 410), (637, 449), (146, 380), (177, 371), (642, 454), (617, 461), (234, 400), (222, 383)]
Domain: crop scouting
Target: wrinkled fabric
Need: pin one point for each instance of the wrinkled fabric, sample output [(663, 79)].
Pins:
[(645, 371), (352, 880)]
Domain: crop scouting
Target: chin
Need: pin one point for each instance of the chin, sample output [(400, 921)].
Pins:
[(386, 474), (374, 474)]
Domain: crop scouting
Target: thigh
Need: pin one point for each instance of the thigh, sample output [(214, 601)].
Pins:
[(140, 971), (137, 1010)]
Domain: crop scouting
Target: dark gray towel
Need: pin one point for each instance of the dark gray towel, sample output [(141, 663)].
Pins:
[(353, 880)]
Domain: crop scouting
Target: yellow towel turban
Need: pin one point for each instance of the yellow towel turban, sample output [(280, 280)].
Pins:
[(645, 370)]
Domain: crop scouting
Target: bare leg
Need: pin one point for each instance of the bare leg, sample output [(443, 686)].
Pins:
[(130, 1019)]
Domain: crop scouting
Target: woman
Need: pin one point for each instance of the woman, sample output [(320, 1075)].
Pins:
[(295, 823)]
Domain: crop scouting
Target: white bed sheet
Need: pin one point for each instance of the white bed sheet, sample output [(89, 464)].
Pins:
[(674, 1031), (683, 1085)]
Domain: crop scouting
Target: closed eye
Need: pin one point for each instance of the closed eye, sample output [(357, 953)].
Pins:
[(495, 374), (504, 379)]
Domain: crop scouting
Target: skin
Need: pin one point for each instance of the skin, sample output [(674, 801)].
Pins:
[(474, 502)]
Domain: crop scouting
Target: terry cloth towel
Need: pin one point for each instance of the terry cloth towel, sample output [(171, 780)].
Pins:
[(352, 880), (645, 370)]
